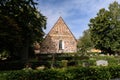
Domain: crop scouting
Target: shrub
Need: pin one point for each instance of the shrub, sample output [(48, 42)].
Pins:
[(89, 73), (13, 65), (114, 71), (70, 73)]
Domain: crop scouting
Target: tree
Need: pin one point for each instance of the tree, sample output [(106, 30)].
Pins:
[(105, 29), (85, 43), (22, 25), (9, 35)]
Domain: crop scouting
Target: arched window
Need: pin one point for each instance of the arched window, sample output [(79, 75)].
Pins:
[(61, 45)]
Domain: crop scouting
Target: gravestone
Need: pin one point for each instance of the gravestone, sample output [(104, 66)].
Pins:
[(85, 64), (102, 63)]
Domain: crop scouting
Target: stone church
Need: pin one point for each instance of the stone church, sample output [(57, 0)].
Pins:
[(59, 40)]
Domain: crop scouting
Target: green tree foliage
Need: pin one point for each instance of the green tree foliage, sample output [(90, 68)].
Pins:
[(85, 43), (105, 29), (21, 24)]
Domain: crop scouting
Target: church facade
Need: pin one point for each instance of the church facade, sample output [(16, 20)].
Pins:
[(59, 40)]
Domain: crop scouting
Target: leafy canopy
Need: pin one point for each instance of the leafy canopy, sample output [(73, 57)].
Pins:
[(84, 42), (105, 29), (21, 24)]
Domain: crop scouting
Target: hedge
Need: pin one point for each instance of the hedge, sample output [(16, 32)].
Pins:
[(18, 65), (71, 73)]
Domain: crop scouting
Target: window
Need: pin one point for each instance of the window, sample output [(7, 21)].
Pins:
[(61, 45)]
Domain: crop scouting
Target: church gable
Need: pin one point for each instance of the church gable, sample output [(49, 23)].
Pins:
[(59, 39), (61, 29)]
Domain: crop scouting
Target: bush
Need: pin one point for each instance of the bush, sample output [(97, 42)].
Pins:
[(72, 63), (18, 65), (12, 65), (89, 73), (114, 71), (71, 73)]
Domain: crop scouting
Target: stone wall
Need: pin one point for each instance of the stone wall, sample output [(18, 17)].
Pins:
[(59, 32)]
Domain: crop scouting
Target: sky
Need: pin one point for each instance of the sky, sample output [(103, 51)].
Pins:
[(76, 13)]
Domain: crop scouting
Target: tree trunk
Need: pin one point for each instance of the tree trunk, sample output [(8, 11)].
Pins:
[(25, 51)]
